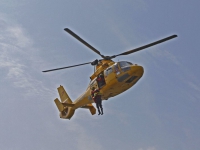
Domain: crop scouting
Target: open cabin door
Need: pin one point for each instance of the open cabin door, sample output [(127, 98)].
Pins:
[(98, 82), (101, 80)]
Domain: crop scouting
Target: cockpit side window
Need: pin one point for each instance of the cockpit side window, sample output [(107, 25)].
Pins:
[(125, 66), (116, 69), (129, 63)]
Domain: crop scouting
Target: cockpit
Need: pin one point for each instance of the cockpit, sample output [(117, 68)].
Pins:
[(118, 68), (125, 65), (121, 66)]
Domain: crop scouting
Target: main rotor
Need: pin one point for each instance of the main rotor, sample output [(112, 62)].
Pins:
[(95, 62)]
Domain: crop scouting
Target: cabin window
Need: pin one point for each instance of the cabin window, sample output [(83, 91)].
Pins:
[(108, 71)]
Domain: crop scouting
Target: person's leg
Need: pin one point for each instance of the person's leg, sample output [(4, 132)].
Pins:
[(100, 105), (97, 105)]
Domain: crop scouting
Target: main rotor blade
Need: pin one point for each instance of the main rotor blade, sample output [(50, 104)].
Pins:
[(82, 41), (146, 46), (66, 67)]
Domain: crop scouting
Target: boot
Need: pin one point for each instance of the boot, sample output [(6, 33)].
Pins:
[(99, 112)]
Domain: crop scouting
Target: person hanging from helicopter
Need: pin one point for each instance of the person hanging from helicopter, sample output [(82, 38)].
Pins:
[(96, 96), (101, 80)]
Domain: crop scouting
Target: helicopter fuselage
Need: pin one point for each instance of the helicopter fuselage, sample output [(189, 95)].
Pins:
[(119, 77)]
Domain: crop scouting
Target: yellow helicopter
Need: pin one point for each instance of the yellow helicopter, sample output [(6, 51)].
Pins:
[(116, 77)]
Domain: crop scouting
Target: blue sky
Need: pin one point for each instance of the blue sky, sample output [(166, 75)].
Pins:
[(160, 112)]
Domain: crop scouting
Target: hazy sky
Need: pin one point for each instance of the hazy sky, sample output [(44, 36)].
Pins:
[(161, 112)]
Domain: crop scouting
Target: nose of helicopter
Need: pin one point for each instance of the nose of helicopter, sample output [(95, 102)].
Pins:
[(137, 70)]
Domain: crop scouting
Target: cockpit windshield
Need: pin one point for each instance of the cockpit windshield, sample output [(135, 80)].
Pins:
[(124, 65)]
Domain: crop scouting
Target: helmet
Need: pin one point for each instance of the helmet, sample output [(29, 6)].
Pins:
[(93, 88)]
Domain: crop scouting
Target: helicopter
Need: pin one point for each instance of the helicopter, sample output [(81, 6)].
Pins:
[(116, 77)]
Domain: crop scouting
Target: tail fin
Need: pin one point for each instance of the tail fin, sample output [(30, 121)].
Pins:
[(59, 105), (65, 106), (63, 95)]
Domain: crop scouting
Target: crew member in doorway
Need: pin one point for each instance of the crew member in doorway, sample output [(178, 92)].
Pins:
[(100, 80), (96, 95)]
